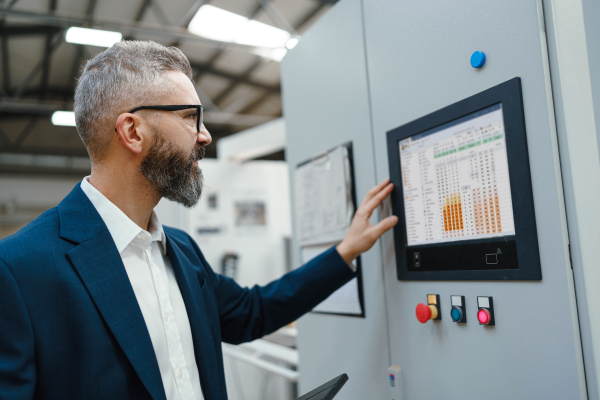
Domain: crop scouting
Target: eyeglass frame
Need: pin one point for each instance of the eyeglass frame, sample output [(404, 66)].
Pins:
[(177, 108)]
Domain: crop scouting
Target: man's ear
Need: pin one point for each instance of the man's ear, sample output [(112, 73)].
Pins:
[(130, 131)]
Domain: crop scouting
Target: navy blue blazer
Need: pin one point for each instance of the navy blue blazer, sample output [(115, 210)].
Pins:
[(71, 327)]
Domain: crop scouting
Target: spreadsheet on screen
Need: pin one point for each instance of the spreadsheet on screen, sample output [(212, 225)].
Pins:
[(455, 180)]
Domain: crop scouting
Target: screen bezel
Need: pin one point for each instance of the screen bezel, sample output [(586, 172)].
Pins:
[(526, 263)]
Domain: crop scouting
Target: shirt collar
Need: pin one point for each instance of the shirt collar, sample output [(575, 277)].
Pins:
[(122, 229)]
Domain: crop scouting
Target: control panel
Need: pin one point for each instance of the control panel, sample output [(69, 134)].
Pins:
[(462, 191), (458, 311), (459, 112)]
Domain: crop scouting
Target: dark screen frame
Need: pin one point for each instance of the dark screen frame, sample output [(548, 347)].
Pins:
[(524, 263)]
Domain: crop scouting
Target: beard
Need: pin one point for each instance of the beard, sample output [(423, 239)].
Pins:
[(171, 171)]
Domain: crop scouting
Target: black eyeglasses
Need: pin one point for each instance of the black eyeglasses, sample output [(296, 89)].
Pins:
[(198, 107)]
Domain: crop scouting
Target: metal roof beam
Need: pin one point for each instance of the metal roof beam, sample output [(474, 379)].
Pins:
[(65, 20), (254, 104), (12, 3), (27, 30), (29, 109), (46, 65), (65, 92), (225, 118), (47, 55), (12, 108), (38, 67), (311, 14), (14, 146), (5, 63), (142, 10), (242, 78), (160, 14), (47, 150), (4, 139), (25, 133), (276, 16), (179, 34), (219, 53), (246, 75), (54, 92), (187, 18), (47, 164), (91, 8), (206, 68)]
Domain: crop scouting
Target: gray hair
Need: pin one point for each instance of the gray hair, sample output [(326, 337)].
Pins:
[(117, 80)]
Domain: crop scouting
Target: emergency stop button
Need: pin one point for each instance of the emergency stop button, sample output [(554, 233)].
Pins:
[(425, 312)]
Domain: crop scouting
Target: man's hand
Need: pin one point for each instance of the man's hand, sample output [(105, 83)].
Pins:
[(362, 235)]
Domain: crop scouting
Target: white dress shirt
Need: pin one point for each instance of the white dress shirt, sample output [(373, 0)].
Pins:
[(144, 255)]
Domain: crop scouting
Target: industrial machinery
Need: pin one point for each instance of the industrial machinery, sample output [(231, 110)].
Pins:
[(483, 116)]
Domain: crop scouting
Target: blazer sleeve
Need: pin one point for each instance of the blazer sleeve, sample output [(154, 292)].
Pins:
[(247, 314), (17, 354)]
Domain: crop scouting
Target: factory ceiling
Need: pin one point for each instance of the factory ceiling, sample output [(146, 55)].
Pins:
[(39, 69)]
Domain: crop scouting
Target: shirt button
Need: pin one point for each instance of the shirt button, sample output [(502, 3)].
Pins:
[(180, 373), (143, 238), (166, 317)]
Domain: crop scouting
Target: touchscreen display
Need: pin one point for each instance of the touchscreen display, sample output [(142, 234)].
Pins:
[(455, 180)]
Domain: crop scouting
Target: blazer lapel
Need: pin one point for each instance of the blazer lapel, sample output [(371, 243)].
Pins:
[(206, 358), (101, 270)]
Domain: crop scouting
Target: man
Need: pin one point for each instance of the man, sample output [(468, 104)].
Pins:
[(97, 299)]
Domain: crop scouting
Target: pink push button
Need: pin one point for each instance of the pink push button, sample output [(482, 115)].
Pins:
[(484, 316)]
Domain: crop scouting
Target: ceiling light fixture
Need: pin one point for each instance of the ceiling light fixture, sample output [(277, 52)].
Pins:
[(255, 33), (92, 37), (63, 118), (278, 54), (215, 23), (291, 43)]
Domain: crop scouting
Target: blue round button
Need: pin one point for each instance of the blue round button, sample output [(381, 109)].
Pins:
[(478, 59), (456, 314)]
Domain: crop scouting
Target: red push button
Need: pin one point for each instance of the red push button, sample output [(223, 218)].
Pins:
[(484, 316), (426, 312), (423, 313)]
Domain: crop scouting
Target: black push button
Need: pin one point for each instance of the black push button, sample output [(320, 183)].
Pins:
[(417, 259)]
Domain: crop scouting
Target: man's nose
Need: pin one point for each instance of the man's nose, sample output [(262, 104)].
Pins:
[(204, 137)]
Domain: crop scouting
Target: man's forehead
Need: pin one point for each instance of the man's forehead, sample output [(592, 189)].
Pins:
[(184, 92)]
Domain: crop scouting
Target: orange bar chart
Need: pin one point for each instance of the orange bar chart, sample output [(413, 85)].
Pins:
[(453, 214), (497, 208), (486, 211)]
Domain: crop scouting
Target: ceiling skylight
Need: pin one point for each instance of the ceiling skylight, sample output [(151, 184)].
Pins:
[(217, 24), (92, 37), (291, 43), (63, 118)]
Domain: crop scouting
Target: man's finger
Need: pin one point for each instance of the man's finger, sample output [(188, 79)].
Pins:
[(385, 225), (378, 198), (374, 191)]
